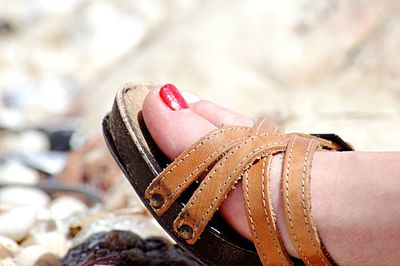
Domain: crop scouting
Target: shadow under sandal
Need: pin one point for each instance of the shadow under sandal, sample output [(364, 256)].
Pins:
[(185, 196)]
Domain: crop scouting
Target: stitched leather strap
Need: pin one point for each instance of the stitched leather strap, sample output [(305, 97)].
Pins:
[(220, 180), (296, 200), (326, 144), (264, 125), (186, 168), (236, 152), (260, 215), (258, 204)]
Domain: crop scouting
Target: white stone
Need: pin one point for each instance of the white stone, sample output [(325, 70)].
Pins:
[(25, 142), (64, 207), (55, 242), (8, 247), (14, 172), (137, 223), (11, 119), (23, 196), (17, 222), (36, 255), (8, 262)]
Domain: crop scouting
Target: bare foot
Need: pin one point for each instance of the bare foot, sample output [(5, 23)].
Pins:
[(357, 224)]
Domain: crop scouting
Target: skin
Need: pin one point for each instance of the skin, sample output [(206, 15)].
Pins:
[(355, 196)]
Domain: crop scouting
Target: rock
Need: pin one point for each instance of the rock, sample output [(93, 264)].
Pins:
[(23, 196), (126, 248), (8, 248), (36, 255), (64, 207), (139, 224), (55, 242), (48, 162), (26, 141), (8, 262), (14, 172), (11, 119), (17, 222)]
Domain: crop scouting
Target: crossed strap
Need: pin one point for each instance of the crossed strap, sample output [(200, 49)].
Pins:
[(229, 154)]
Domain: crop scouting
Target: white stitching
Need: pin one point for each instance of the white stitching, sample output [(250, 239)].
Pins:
[(208, 137), (287, 199), (260, 123), (226, 181), (273, 133), (202, 142), (265, 202), (198, 167), (304, 204), (251, 217)]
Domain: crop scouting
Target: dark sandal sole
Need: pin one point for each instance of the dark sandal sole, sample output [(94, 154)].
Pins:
[(141, 161)]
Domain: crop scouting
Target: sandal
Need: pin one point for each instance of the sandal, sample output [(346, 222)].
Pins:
[(184, 207)]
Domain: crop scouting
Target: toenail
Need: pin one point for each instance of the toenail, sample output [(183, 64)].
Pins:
[(172, 97)]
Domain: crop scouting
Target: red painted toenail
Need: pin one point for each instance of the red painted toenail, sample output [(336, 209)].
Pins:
[(172, 97)]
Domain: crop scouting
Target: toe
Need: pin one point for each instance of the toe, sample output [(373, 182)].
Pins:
[(176, 130), (173, 131), (220, 116)]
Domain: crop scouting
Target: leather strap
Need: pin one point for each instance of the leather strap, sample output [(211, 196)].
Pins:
[(258, 204), (326, 144), (186, 168), (219, 181), (264, 125), (260, 214), (233, 153), (296, 200)]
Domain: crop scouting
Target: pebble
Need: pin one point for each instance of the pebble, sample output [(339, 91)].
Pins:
[(24, 142), (55, 242), (139, 224), (48, 162), (8, 247), (36, 255), (23, 196), (11, 119), (8, 262), (64, 207), (14, 172), (16, 222)]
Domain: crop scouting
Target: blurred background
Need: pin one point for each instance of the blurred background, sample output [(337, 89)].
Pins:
[(311, 66)]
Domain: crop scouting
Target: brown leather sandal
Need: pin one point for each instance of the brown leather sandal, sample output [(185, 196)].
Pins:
[(184, 207)]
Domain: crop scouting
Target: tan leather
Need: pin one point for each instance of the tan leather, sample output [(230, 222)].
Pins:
[(296, 200), (260, 214), (191, 163), (221, 179), (264, 125), (258, 203), (326, 144), (229, 154)]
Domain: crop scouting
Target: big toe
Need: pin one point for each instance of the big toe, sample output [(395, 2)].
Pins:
[(172, 130), (175, 125)]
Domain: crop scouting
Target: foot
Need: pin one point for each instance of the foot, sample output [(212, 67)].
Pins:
[(175, 124), (183, 124)]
